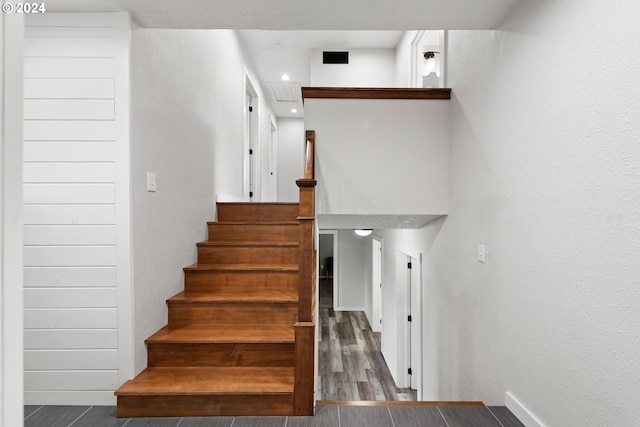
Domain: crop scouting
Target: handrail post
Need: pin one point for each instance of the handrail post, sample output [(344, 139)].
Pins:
[(305, 328)]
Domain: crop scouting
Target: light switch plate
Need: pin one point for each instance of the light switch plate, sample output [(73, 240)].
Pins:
[(481, 253), (151, 181)]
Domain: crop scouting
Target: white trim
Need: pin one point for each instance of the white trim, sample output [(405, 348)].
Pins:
[(124, 238), (251, 132), (523, 414), (11, 282)]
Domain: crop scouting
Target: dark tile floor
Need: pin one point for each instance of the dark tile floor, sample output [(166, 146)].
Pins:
[(328, 415)]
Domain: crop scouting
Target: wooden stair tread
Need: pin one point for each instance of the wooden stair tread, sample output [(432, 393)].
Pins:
[(239, 297), (242, 295), (245, 333), (249, 244), (249, 223), (209, 381), (243, 267)]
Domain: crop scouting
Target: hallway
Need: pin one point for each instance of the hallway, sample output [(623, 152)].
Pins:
[(351, 365)]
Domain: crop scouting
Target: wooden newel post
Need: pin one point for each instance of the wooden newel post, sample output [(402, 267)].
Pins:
[(305, 328)]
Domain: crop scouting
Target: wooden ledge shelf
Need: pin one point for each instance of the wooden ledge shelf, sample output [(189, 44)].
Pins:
[(374, 93)]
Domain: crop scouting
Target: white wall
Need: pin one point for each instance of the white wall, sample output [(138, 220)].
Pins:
[(77, 239), (545, 173), (291, 152), (354, 253), (369, 161), (366, 68), (11, 299), (187, 127)]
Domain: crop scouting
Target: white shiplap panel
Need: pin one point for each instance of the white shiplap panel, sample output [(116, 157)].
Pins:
[(70, 298), (69, 109), (67, 130), (34, 172), (62, 21), (69, 235), (77, 151), (40, 88), (39, 339), (69, 214), (65, 32), (70, 256), (70, 45), (57, 397), (70, 380), (70, 359), (69, 193), (71, 318), (69, 67), (69, 276)]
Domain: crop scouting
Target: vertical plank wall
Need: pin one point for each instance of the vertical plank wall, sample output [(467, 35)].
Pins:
[(77, 275)]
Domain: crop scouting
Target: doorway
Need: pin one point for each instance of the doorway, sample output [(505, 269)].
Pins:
[(409, 333), (327, 248), (251, 141)]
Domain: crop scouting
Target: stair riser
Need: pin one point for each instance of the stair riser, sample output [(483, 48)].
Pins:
[(214, 354), (247, 212), (253, 233), (247, 255), (231, 314), (216, 282), (205, 405)]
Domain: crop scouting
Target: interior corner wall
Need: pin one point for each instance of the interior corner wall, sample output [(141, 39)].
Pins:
[(187, 128), (366, 68), (11, 240), (545, 173), (403, 59), (352, 254), (291, 151)]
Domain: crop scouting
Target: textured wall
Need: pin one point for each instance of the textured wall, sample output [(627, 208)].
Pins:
[(187, 127), (291, 148), (545, 173)]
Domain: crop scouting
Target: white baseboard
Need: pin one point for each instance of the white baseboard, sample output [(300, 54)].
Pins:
[(525, 416)]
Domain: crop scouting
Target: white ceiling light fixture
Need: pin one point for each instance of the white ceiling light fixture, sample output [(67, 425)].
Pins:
[(363, 232), (431, 64), (294, 110), (285, 77)]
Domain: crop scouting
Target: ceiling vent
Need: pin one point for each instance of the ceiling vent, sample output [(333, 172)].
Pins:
[(335, 57), (285, 92)]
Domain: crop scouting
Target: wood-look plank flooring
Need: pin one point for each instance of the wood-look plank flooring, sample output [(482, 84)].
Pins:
[(351, 365)]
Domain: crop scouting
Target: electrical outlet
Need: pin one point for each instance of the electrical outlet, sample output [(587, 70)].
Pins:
[(151, 182), (481, 253)]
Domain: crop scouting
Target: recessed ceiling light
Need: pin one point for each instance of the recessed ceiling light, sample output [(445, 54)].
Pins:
[(285, 77), (294, 110)]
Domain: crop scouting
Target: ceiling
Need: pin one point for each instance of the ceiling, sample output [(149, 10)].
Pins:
[(303, 14), (276, 52), (279, 34)]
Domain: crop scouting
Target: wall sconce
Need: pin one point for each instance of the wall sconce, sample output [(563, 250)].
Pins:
[(363, 232), (431, 64)]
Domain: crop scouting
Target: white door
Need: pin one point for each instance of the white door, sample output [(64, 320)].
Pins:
[(273, 162), (376, 286), (251, 142)]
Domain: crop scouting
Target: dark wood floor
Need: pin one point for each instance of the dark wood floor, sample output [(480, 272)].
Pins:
[(351, 365), (326, 416)]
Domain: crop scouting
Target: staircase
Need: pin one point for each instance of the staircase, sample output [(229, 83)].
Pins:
[(229, 346)]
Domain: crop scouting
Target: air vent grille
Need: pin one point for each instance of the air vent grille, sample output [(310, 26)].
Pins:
[(335, 57), (285, 92)]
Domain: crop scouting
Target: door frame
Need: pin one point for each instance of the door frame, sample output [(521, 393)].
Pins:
[(409, 301), (273, 159), (376, 285), (251, 142)]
